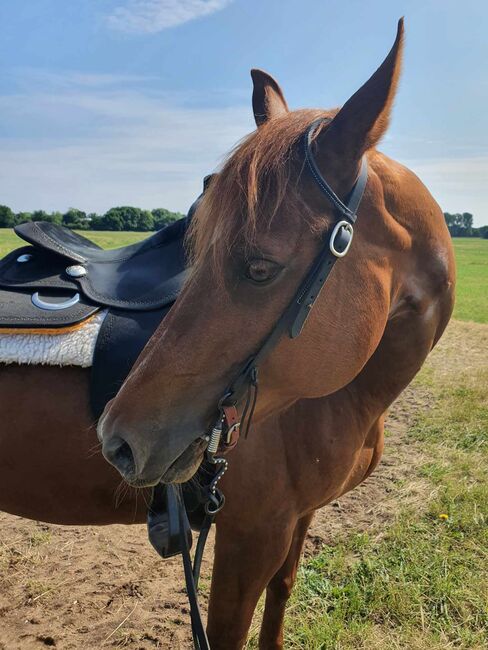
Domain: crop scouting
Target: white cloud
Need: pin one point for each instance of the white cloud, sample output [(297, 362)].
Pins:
[(151, 16)]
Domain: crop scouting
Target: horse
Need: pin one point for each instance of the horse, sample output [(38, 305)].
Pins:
[(317, 425), (319, 418)]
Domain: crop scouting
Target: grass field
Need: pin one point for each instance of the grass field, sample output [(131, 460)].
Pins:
[(472, 283), (420, 582)]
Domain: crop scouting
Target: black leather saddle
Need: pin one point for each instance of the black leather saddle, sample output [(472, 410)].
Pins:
[(62, 278), (63, 267)]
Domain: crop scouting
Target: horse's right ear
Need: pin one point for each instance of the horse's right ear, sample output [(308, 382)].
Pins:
[(364, 118), (268, 100)]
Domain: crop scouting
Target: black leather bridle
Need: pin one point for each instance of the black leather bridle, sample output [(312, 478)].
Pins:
[(336, 245), (225, 432)]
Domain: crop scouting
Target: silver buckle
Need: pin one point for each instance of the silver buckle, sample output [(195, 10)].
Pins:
[(347, 226)]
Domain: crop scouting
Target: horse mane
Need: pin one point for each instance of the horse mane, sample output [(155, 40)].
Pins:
[(251, 186)]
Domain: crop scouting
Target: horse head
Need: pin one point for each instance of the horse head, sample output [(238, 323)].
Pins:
[(256, 232)]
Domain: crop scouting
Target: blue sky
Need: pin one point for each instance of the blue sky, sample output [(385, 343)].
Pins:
[(111, 102)]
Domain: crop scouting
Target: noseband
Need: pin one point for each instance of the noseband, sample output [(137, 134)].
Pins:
[(225, 433)]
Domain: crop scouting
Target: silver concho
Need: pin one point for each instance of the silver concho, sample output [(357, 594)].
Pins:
[(76, 271), (22, 259)]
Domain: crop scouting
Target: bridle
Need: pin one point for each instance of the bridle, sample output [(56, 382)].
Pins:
[(292, 320), (226, 430)]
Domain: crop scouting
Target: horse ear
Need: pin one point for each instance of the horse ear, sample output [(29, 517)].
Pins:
[(364, 118), (268, 100)]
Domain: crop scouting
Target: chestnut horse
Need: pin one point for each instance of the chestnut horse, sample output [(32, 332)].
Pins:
[(317, 429)]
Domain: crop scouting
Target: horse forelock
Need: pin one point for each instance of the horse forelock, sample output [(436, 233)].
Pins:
[(259, 176)]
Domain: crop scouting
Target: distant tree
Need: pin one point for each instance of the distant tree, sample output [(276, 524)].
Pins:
[(144, 221), (111, 220), (127, 218), (163, 217), (481, 232), (460, 225), (41, 215), (94, 221), (22, 217), (467, 223), (7, 217), (74, 218), (55, 217)]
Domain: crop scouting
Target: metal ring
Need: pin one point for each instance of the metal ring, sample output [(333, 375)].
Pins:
[(347, 226), (218, 504), (37, 301)]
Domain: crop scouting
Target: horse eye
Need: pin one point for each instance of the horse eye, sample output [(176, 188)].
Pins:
[(261, 271)]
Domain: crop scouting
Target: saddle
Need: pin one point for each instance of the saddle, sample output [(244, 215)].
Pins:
[(62, 278)]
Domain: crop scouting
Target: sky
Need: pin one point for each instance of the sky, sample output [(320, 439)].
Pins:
[(133, 102)]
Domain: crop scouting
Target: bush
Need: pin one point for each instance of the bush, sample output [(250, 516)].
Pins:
[(163, 217), (126, 218), (7, 217)]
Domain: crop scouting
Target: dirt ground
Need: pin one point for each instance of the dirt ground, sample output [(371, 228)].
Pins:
[(88, 588)]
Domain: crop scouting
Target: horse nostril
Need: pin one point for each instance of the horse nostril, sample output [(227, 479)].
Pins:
[(118, 452)]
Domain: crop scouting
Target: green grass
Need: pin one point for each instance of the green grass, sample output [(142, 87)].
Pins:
[(472, 279), (471, 257), (423, 583)]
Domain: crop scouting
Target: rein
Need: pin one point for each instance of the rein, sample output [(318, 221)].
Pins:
[(226, 430)]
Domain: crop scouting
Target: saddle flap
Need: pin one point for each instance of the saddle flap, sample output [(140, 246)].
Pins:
[(163, 521), (143, 276), (45, 309)]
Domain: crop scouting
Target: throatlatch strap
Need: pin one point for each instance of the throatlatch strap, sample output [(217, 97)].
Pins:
[(354, 199)]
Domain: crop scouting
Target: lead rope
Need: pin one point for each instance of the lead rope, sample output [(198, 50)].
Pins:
[(192, 574), (214, 503)]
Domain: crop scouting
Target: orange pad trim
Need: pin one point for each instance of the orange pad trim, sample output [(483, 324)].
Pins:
[(47, 331)]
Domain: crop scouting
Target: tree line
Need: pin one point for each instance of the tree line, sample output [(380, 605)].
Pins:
[(130, 218), (120, 218), (461, 225)]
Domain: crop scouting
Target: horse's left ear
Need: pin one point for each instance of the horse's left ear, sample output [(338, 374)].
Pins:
[(268, 100), (364, 118)]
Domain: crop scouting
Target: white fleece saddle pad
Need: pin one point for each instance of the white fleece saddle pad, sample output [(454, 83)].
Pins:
[(68, 347)]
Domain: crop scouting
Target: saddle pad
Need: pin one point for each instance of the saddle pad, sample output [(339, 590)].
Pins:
[(70, 346)]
